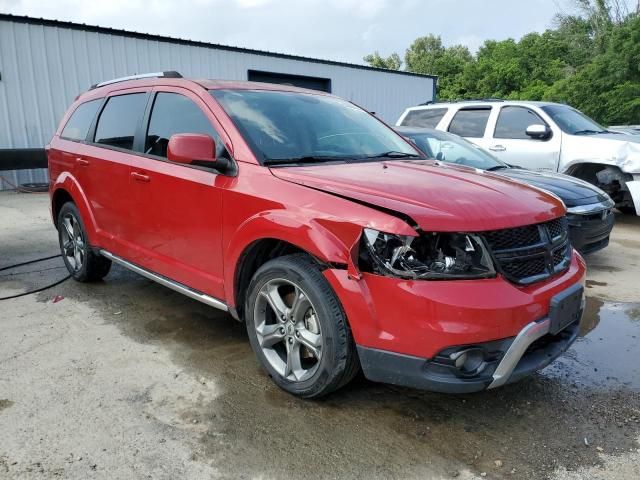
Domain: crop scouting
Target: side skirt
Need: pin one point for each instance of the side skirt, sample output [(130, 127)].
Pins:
[(178, 287)]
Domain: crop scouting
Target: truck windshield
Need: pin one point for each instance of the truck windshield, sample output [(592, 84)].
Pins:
[(572, 121), (291, 127)]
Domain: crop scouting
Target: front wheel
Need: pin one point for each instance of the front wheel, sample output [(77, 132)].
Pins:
[(298, 329), (627, 210)]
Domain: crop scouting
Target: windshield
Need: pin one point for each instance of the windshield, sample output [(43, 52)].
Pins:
[(453, 149), (572, 121), (282, 127)]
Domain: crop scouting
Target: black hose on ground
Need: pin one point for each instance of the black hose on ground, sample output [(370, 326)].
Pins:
[(58, 282), (11, 267)]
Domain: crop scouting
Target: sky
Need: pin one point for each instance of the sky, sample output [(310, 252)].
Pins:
[(342, 30)]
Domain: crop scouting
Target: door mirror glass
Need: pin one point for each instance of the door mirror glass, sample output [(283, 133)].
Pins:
[(192, 149), (538, 131)]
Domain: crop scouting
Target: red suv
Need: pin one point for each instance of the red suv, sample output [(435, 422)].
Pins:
[(338, 244)]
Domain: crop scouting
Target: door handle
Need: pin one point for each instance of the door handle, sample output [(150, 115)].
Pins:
[(82, 162), (140, 177), (497, 148)]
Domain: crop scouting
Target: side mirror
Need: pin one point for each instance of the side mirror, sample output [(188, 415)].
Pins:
[(195, 149), (538, 131)]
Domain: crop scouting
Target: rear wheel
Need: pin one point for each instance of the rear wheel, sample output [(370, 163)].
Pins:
[(83, 264), (298, 329)]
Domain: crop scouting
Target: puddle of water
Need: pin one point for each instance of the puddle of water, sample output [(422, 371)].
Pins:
[(606, 353), (4, 403)]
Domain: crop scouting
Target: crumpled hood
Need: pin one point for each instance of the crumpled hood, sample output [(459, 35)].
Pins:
[(572, 191), (438, 197), (611, 148)]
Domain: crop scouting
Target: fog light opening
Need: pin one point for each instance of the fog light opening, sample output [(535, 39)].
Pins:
[(468, 361)]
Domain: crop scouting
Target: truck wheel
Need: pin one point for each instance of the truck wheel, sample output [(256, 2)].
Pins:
[(298, 329), (83, 264), (627, 210)]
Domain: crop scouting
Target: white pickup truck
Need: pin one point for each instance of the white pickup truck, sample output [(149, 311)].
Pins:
[(543, 136)]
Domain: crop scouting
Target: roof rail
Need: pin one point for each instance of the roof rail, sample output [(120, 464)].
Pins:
[(490, 99), (462, 100), (167, 74)]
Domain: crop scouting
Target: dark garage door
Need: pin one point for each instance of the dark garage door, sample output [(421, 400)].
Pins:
[(314, 83)]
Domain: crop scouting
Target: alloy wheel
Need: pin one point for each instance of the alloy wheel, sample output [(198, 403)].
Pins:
[(288, 329), (73, 242)]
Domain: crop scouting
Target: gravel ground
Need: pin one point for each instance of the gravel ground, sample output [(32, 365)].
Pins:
[(127, 379)]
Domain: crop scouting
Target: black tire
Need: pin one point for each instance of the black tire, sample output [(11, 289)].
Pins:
[(338, 363), (627, 210), (93, 266)]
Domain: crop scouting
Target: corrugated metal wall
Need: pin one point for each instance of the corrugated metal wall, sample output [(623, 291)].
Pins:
[(44, 67)]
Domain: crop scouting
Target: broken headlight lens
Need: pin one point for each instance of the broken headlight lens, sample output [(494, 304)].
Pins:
[(428, 256)]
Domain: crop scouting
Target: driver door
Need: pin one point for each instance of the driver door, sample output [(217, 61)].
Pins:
[(509, 142), (178, 208)]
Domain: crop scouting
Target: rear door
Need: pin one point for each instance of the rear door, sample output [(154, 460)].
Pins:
[(510, 143), (67, 155), (105, 161), (178, 208)]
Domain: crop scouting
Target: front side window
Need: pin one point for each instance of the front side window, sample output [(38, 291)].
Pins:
[(119, 120), (285, 126), (514, 121), (428, 117), (174, 113), (80, 121), (470, 122), (572, 121)]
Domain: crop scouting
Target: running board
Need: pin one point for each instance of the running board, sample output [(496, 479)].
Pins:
[(178, 287)]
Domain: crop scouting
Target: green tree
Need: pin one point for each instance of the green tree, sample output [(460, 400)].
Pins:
[(428, 55), (589, 59), (608, 87), (392, 62)]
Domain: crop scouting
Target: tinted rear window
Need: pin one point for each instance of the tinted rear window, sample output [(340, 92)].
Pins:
[(470, 122), (78, 125), (120, 119), (424, 118)]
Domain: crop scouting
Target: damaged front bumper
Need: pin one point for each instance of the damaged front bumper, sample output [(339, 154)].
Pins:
[(498, 362)]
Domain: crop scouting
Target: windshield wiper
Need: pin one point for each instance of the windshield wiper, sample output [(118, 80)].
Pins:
[(589, 132), (394, 154), (299, 160), (498, 167)]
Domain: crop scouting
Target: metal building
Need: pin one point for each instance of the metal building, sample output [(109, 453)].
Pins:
[(44, 64)]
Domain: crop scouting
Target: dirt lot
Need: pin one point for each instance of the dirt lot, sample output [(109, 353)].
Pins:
[(126, 379)]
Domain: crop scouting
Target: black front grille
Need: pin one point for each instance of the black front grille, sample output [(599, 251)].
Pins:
[(560, 254), (525, 268), (511, 237), (557, 227), (533, 252)]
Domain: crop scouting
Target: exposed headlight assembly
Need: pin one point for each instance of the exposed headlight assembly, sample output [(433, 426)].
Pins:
[(429, 256)]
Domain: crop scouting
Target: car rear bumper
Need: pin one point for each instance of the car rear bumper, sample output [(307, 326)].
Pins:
[(508, 360)]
